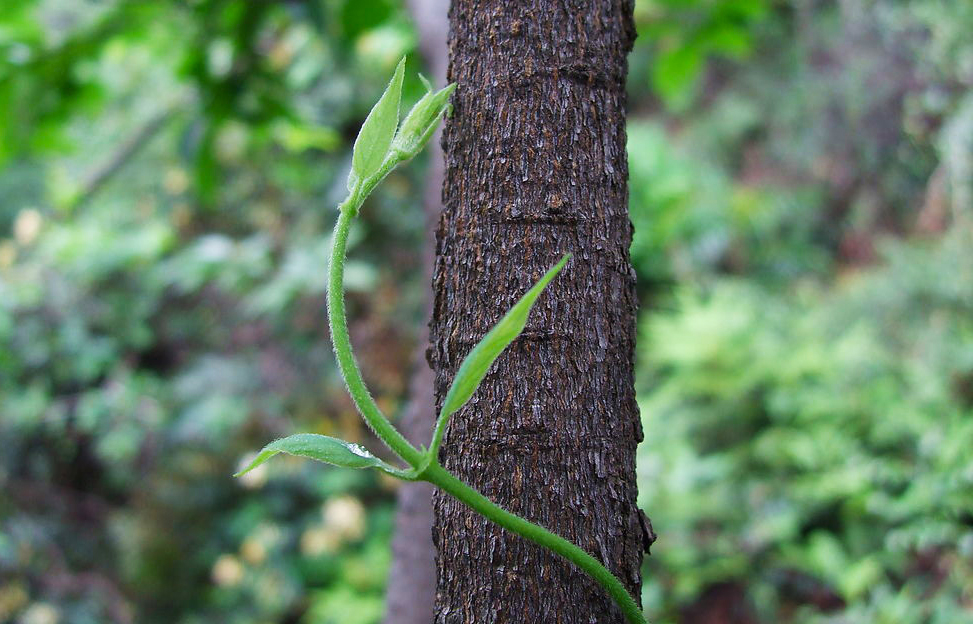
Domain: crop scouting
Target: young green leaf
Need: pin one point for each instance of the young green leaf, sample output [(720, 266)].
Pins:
[(421, 122), (322, 448), (474, 368), (375, 136)]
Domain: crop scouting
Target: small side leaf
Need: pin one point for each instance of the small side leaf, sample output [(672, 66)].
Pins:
[(322, 448), (474, 368), (375, 136), (421, 122)]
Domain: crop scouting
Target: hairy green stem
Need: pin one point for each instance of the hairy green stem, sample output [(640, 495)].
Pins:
[(426, 466), (342, 342)]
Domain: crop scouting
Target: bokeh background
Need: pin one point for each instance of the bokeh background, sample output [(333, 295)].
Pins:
[(802, 194)]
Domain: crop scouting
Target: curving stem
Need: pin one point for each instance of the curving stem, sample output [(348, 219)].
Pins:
[(342, 342), (425, 466), (447, 481)]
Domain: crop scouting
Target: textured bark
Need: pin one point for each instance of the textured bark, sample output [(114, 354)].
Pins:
[(412, 577), (535, 168)]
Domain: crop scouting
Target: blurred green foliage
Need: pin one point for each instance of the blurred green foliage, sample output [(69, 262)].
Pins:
[(803, 224), (814, 446), (685, 34), (802, 192), (169, 177)]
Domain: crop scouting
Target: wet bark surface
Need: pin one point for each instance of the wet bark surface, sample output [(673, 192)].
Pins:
[(535, 168)]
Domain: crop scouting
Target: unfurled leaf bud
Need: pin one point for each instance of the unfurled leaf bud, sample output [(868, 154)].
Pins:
[(421, 122)]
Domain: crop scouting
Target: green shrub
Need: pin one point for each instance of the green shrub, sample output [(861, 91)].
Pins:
[(817, 446)]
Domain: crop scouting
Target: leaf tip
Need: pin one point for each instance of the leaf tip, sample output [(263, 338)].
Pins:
[(244, 471), (399, 74), (554, 270)]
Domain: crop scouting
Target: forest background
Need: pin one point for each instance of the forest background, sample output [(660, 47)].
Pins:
[(802, 196)]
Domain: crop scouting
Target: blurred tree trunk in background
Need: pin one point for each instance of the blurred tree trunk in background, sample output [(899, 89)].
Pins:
[(412, 577), (536, 167)]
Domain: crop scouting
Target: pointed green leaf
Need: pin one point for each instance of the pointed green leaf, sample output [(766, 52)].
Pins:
[(322, 448), (375, 136), (421, 122), (474, 368)]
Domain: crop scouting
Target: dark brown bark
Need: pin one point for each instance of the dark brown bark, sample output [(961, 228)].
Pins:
[(535, 168), (412, 578)]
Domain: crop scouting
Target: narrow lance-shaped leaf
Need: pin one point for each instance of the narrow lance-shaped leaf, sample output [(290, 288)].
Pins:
[(474, 368), (375, 136), (321, 448)]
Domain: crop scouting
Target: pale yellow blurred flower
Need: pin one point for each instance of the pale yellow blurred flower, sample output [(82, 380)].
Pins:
[(318, 541), (41, 613), (27, 226), (176, 181), (227, 570), (253, 551), (346, 516)]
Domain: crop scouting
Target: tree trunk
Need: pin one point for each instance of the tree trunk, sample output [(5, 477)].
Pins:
[(535, 168), (412, 578)]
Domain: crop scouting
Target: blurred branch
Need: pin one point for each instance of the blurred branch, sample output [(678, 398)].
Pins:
[(117, 160)]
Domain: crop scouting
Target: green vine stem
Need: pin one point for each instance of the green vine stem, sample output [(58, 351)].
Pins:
[(425, 466), (447, 481), (342, 341), (381, 145)]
